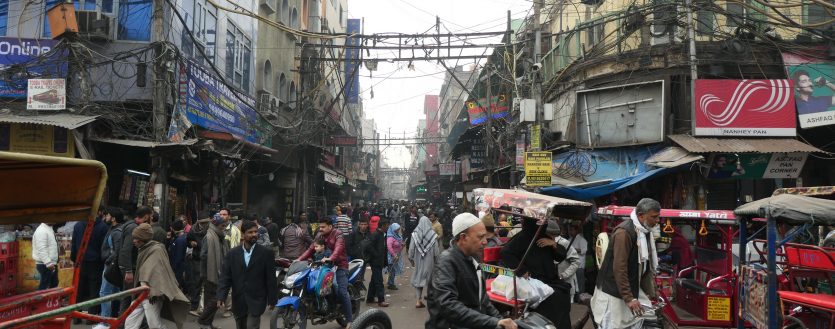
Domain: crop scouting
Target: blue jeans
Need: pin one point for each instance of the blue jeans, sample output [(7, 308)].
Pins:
[(342, 293), (106, 290), (49, 278), (391, 275)]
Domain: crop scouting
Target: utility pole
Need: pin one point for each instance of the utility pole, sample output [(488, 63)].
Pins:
[(160, 94), (536, 88), (694, 72)]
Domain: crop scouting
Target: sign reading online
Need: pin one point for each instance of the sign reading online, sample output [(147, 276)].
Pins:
[(744, 108), (211, 104), (36, 59), (538, 168)]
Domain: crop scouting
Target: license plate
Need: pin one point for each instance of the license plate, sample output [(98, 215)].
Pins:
[(285, 291)]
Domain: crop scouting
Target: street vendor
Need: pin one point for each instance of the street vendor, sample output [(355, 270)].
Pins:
[(626, 278)]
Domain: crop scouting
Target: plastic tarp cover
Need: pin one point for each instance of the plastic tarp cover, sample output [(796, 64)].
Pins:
[(578, 193), (793, 209)]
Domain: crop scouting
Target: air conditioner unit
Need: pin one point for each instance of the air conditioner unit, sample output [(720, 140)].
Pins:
[(270, 6), (95, 26)]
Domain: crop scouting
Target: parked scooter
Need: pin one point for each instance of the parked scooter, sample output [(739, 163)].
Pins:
[(310, 290)]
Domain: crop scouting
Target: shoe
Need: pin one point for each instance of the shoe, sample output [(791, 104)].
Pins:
[(392, 287), (227, 314), (383, 304), (194, 312), (420, 305)]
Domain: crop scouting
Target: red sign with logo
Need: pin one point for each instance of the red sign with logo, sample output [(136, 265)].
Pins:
[(744, 108)]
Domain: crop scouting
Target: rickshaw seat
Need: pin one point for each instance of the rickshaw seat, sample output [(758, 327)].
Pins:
[(692, 284), (819, 301)]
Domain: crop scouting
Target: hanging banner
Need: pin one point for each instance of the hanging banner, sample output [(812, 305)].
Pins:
[(478, 114), (538, 168), (536, 137), (750, 108), (46, 94), (814, 91), (520, 151), (22, 59)]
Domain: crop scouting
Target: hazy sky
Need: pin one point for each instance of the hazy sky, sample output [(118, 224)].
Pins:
[(398, 91)]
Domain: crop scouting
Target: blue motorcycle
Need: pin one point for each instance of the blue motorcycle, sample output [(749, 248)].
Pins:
[(309, 290)]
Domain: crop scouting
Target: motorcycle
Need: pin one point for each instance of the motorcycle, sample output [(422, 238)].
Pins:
[(310, 293), (281, 267)]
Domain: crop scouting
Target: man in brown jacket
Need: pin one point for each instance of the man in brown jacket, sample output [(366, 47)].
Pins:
[(627, 273)]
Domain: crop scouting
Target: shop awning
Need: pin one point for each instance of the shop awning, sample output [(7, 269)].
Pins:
[(232, 138), (741, 145), (579, 193), (146, 144), (671, 157), (64, 120)]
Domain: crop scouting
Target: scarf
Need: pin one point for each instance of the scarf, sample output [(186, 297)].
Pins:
[(217, 250), (645, 253), (153, 267), (392, 232), (424, 236)]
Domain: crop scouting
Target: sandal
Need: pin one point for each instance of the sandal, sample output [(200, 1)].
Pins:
[(420, 305)]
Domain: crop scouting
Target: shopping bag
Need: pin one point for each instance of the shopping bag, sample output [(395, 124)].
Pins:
[(539, 292)]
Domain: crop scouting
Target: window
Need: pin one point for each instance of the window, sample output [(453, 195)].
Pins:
[(4, 16), (105, 6), (284, 17), (292, 96), (816, 14), (736, 14), (282, 88), (135, 20), (704, 21), (238, 57), (47, 5), (294, 18), (268, 75), (204, 29)]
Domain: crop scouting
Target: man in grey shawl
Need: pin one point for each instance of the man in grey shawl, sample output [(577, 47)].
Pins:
[(423, 249), (153, 270), (211, 257)]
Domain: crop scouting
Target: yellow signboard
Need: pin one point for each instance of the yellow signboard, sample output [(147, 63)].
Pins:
[(538, 168), (536, 136), (37, 139), (718, 309)]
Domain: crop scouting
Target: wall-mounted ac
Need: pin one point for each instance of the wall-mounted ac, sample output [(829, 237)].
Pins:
[(269, 6), (95, 26)]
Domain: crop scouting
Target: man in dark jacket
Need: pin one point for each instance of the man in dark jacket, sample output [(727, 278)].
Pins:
[(128, 252), (177, 254), (456, 296), (195, 280), (541, 265), (249, 270), (375, 253), (114, 218), (92, 265)]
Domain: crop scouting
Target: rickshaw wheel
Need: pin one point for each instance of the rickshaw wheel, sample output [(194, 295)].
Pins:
[(791, 322)]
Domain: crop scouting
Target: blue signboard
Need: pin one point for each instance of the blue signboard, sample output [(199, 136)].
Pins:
[(352, 62), (23, 59), (210, 104)]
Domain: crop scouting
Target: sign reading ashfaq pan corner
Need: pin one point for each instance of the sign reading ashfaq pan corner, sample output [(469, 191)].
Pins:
[(744, 108)]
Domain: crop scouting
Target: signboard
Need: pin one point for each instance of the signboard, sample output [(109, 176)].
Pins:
[(478, 152), (46, 94), (626, 114), (210, 104), (536, 137), (344, 140), (756, 166), (36, 139), (334, 178), (449, 169), (744, 108), (813, 89), (538, 168), (15, 51), (478, 113), (520, 151), (718, 308), (755, 302), (431, 173), (420, 189), (352, 60)]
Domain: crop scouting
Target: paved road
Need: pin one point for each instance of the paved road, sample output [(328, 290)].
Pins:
[(402, 310)]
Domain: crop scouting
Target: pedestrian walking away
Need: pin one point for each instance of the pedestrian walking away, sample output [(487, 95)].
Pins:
[(45, 255), (249, 270), (456, 297), (394, 243), (213, 250), (423, 250), (295, 239), (114, 218), (92, 266), (627, 273), (377, 254)]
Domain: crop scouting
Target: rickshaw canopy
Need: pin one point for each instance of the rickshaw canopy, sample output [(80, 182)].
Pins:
[(792, 209), (45, 189), (532, 204), (624, 211)]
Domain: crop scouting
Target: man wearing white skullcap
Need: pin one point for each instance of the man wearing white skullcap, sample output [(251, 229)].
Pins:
[(456, 296)]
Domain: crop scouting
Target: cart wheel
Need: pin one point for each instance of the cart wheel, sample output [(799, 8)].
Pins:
[(790, 322)]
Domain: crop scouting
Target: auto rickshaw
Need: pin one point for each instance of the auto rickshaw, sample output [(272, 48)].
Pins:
[(44, 189), (702, 294), (527, 206), (763, 304)]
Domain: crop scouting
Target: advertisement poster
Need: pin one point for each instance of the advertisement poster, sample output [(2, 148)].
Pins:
[(756, 166), (210, 104), (36, 139), (538, 168), (750, 108), (814, 91), (33, 60), (478, 152), (520, 151), (536, 137), (46, 94), (449, 169), (478, 112)]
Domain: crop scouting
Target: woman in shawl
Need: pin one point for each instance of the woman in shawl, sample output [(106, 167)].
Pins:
[(394, 244), (423, 249)]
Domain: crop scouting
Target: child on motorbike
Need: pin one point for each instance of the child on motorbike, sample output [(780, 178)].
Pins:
[(321, 251)]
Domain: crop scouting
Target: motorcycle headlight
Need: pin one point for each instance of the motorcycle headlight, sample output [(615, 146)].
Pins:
[(290, 281), (549, 326)]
